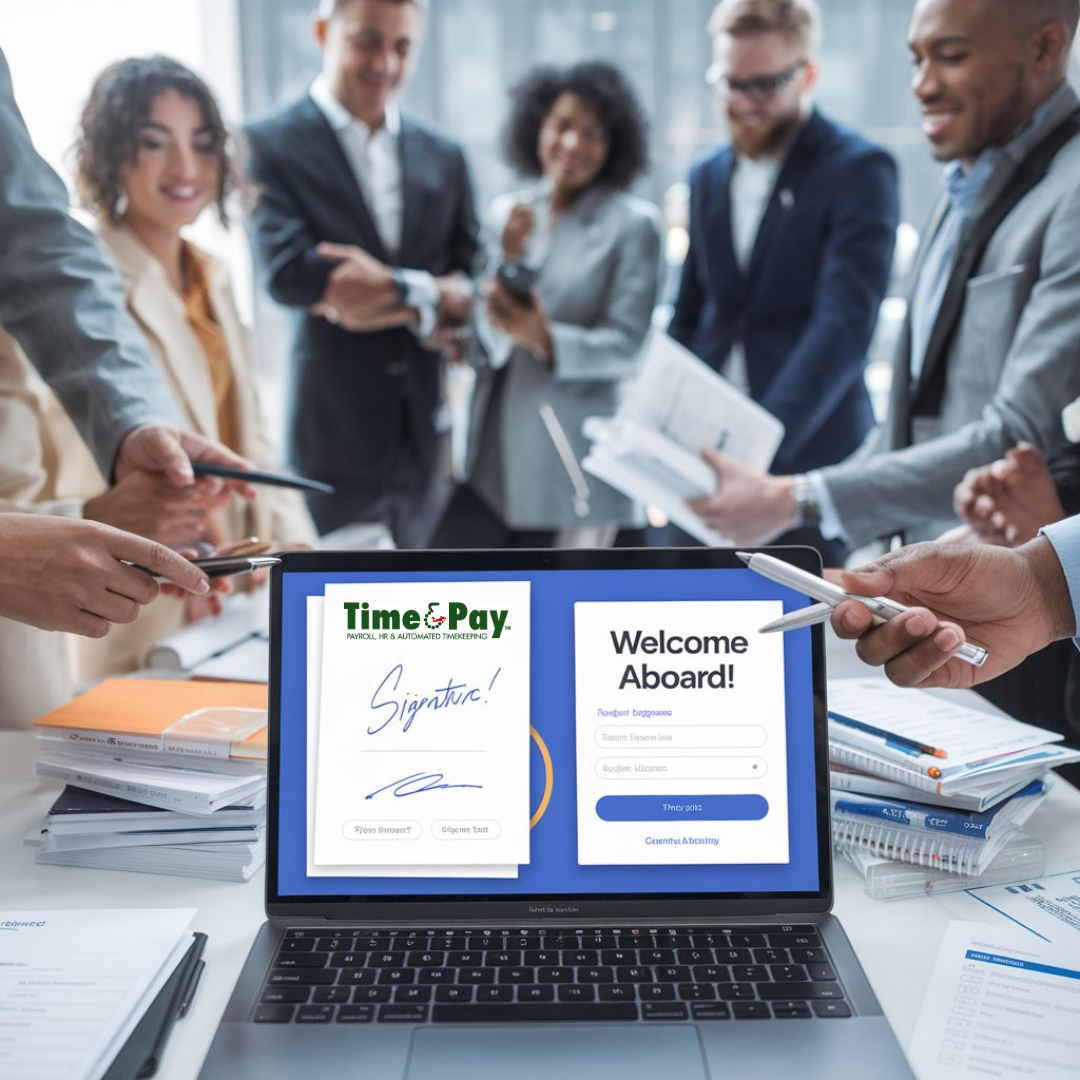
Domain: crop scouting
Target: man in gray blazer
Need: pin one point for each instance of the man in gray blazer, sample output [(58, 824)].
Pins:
[(989, 350), (365, 228)]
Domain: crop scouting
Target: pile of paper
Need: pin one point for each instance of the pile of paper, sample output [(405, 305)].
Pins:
[(74, 984), (162, 777), (921, 781)]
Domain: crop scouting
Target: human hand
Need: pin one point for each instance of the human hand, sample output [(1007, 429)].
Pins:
[(526, 324), (1009, 501), (455, 300), (60, 574), (360, 293), (148, 505), (749, 506), (1014, 602), (169, 450), (518, 229)]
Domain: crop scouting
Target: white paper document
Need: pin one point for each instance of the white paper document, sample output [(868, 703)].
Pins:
[(73, 985), (316, 605), (1001, 1003), (681, 740), (676, 407), (1049, 907), (423, 741)]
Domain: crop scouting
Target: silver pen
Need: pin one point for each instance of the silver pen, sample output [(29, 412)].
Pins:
[(222, 565), (881, 607)]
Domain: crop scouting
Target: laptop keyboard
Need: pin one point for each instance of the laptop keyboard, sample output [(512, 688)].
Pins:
[(474, 976)]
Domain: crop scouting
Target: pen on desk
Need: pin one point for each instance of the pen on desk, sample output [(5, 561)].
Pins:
[(189, 990), (881, 607), (900, 741)]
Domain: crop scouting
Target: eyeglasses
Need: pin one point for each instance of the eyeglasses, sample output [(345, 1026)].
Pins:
[(758, 88)]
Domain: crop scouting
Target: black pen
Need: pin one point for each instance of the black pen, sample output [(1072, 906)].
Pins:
[(189, 992), (259, 476)]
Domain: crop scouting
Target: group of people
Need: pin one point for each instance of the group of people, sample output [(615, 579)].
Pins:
[(363, 224)]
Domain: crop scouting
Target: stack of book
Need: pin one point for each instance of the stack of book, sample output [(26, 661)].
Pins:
[(162, 777), (929, 794)]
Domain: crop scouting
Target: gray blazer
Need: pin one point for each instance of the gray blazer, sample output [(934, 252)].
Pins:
[(62, 300), (598, 285), (1009, 368)]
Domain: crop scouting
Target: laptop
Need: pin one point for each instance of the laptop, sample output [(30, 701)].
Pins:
[(546, 814)]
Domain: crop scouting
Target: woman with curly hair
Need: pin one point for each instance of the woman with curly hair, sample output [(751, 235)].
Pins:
[(558, 353), (152, 154)]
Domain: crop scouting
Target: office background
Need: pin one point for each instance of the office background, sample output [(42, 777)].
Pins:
[(257, 54)]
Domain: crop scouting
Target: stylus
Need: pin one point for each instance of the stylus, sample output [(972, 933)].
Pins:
[(881, 607)]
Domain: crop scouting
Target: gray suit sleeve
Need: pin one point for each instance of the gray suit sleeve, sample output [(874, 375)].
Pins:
[(608, 350), (63, 301), (885, 492)]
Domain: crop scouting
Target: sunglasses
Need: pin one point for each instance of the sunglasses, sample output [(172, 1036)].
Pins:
[(757, 88)]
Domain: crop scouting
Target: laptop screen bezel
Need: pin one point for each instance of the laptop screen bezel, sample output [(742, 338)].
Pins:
[(543, 907)]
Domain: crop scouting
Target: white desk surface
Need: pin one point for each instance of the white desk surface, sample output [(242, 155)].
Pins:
[(897, 942)]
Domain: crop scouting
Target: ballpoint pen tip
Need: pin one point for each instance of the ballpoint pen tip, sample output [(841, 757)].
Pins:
[(745, 556)]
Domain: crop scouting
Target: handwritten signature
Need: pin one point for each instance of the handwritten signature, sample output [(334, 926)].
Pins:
[(454, 695), (416, 784)]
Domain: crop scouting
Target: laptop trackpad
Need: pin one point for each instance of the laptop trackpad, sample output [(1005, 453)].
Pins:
[(554, 1051)]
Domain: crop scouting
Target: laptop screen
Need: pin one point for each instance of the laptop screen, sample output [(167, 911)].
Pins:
[(537, 731)]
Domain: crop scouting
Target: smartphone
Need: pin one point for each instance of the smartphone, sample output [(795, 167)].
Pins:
[(518, 279)]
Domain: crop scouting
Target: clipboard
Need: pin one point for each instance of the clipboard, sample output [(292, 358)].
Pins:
[(140, 1056)]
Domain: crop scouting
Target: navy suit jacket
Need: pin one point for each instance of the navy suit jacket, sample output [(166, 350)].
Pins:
[(360, 404), (806, 307)]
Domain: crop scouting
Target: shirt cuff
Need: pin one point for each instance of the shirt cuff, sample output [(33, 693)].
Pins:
[(422, 293), (1065, 538), (830, 525)]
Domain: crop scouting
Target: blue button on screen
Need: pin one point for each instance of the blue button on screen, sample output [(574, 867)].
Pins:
[(682, 808)]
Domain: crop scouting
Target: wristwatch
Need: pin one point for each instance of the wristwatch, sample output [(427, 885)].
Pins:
[(807, 510), (401, 286)]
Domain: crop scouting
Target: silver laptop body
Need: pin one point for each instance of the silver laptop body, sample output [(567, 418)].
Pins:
[(325, 991)]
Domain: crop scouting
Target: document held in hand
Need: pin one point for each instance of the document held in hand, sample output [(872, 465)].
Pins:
[(677, 406)]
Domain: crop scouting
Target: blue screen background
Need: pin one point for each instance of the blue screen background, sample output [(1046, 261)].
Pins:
[(553, 869)]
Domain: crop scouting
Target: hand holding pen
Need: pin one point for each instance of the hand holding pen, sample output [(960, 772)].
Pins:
[(877, 607)]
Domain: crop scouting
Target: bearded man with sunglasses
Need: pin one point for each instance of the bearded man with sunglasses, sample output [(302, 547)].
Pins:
[(792, 226)]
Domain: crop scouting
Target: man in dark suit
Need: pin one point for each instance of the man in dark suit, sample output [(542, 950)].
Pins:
[(792, 226), (365, 227)]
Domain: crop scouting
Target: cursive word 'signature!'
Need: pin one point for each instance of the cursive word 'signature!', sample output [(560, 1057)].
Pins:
[(390, 707)]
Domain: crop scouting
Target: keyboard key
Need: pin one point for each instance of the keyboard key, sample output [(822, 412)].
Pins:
[(577, 993), (788, 973), (830, 1009), (747, 941), (737, 991), (664, 1011), (519, 1011), (580, 957), (301, 944), (286, 995), (331, 995), (791, 1010), (414, 995), (357, 977), (454, 993), (347, 959), (386, 959), (695, 956), (713, 1010), (799, 991), (595, 975), (772, 956), (396, 976), (616, 993), (656, 992), (476, 976), (657, 956), (750, 973), (547, 993), (822, 972), (371, 994), (314, 1014), (750, 1010), (634, 974), (473, 958), (356, 1014), (808, 956), (734, 956), (504, 958), (302, 977), (301, 960), (274, 1014), (553, 975), (494, 993), (541, 957), (402, 1014), (792, 941), (425, 959), (612, 957), (430, 976), (673, 974), (712, 973)]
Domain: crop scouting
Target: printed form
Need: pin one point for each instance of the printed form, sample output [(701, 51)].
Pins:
[(1001, 1003), (315, 618), (681, 740), (423, 742)]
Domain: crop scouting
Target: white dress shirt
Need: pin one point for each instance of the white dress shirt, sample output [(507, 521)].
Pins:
[(375, 160)]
